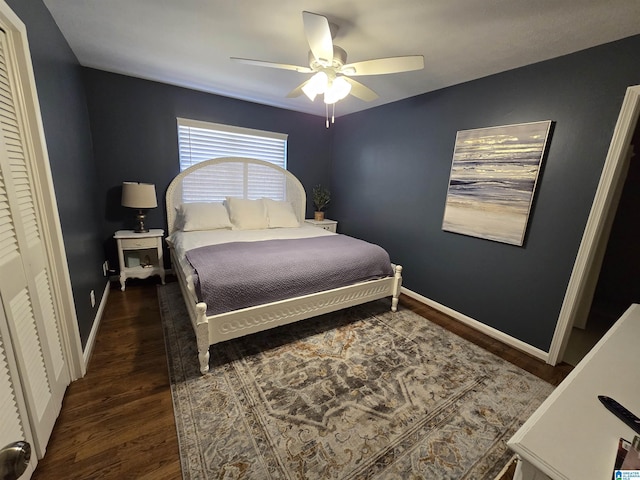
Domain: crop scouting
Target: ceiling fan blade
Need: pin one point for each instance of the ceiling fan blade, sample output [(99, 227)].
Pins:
[(296, 92), (382, 66), (318, 33), (261, 63), (360, 91)]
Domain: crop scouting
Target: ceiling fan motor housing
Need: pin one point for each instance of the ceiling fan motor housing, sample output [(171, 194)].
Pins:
[(339, 59)]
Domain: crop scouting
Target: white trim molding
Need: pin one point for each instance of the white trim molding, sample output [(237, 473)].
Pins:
[(618, 150), (88, 349), (481, 327)]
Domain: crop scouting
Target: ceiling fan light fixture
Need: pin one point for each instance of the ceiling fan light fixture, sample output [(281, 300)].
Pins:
[(316, 85), (338, 90), (331, 72)]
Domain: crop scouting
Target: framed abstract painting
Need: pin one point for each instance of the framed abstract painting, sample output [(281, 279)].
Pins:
[(493, 179)]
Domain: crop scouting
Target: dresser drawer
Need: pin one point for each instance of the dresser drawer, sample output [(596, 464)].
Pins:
[(132, 243)]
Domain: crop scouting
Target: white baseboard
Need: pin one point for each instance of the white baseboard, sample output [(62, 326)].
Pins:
[(481, 327), (88, 349)]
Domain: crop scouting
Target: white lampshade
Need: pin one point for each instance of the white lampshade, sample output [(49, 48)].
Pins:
[(338, 89), (316, 85), (139, 195)]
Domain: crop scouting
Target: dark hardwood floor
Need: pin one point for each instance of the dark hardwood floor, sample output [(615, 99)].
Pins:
[(117, 422)]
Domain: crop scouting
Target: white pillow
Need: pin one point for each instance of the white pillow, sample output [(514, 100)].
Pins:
[(203, 216), (247, 214), (280, 214)]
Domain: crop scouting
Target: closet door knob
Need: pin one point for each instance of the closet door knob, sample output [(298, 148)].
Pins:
[(14, 459)]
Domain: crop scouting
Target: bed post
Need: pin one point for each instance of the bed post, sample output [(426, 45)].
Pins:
[(396, 288), (202, 336)]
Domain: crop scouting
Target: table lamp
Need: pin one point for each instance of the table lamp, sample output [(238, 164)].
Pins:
[(140, 196)]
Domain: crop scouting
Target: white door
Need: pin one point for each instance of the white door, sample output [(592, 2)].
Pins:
[(25, 280), (14, 420)]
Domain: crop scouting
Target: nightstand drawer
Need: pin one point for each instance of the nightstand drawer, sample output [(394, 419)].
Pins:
[(129, 243), (326, 224)]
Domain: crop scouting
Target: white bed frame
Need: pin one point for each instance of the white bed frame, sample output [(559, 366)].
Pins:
[(214, 329)]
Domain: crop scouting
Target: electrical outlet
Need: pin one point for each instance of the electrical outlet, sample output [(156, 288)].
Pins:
[(92, 296)]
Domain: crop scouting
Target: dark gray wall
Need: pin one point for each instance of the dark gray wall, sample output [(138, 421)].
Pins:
[(66, 126), (391, 170), (134, 129), (619, 283)]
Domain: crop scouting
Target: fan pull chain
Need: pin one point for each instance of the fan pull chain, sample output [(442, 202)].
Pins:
[(326, 113)]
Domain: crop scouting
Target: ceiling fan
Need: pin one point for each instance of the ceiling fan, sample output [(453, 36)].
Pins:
[(332, 75)]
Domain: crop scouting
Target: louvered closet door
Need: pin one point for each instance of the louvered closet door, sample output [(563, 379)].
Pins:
[(24, 278), (14, 423)]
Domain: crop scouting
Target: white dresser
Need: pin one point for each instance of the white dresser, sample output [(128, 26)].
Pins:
[(572, 435)]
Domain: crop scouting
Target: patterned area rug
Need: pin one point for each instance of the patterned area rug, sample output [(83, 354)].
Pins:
[(361, 393)]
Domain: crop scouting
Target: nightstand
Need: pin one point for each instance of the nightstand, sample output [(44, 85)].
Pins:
[(331, 225), (139, 254)]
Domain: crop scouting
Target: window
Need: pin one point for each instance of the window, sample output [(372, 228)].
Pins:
[(199, 141)]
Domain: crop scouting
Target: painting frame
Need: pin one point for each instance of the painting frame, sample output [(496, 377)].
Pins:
[(493, 179)]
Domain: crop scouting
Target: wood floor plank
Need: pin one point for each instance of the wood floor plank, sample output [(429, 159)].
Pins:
[(117, 422)]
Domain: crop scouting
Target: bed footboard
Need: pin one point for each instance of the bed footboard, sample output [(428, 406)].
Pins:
[(250, 320), (210, 330)]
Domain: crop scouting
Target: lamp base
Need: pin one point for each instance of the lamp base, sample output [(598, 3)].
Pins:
[(140, 218)]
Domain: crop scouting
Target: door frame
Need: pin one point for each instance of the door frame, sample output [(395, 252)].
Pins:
[(577, 289), (44, 193)]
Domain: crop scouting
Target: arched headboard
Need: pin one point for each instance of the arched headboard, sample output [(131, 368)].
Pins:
[(216, 179)]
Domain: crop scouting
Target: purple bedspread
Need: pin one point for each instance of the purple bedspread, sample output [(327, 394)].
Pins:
[(237, 275)]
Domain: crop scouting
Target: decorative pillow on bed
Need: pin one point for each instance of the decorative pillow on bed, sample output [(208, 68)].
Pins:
[(280, 214), (247, 214), (203, 216)]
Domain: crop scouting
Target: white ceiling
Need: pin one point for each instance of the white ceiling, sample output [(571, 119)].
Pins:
[(189, 42)]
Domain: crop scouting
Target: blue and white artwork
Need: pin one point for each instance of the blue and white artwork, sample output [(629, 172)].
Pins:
[(493, 179)]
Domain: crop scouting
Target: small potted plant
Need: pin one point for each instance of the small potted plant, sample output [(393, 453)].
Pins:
[(321, 197)]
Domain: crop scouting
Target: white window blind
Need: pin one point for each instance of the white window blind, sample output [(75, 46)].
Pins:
[(199, 141)]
